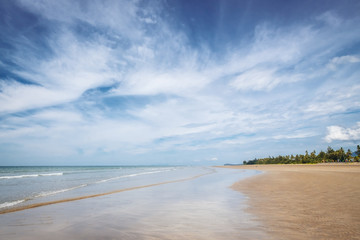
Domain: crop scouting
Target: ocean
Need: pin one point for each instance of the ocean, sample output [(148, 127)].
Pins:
[(124, 202), (28, 185)]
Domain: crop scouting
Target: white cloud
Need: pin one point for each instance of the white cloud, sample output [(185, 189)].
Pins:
[(331, 99), (330, 18), (57, 116), (76, 65), (120, 15), (148, 20), (151, 82), (295, 135), (345, 59), (208, 102), (256, 79), (343, 134), (18, 97), (75, 68), (276, 57), (336, 61)]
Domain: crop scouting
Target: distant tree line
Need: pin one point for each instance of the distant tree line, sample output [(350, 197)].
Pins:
[(330, 155)]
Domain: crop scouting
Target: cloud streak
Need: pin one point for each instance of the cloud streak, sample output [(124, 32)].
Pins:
[(118, 78)]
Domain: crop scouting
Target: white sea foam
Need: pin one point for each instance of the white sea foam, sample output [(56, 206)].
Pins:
[(49, 193), (10, 204), (42, 194), (31, 175), (51, 174), (132, 175), (33, 194)]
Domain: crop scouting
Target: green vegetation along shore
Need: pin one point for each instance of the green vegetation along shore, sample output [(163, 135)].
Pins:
[(330, 155)]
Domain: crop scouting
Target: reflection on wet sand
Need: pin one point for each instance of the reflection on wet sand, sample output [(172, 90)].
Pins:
[(200, 208)]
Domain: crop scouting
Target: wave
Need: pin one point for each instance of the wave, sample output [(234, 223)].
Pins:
[(10, 204), (132, 175), (54, 192), (31, 175), (42, 194), (49, 193), (102, 194)]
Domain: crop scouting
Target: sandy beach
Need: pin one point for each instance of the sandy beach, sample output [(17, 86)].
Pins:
[(283, 202), (305, 201)]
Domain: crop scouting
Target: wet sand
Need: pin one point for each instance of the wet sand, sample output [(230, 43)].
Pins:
[(41, 204), (305, 201), (198, 207)]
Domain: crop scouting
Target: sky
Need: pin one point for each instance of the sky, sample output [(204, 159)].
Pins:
[(176, 82)]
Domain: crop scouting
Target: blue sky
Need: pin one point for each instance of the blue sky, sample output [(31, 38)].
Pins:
[(176, 82)]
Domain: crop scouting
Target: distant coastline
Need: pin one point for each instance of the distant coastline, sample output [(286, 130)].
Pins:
[(330, 156)]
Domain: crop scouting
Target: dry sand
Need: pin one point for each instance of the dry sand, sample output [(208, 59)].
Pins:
[(305, 201)]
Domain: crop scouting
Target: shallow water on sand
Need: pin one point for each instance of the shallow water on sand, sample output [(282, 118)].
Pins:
[(21, 186), (198, 208)]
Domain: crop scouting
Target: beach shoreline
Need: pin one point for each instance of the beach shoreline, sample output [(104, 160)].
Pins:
[(197, 203), (41, 204), (317, 201)]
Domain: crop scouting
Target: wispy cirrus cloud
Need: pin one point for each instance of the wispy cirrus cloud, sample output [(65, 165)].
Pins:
[(122, 17), (342, 60), (62, 79), (119, 78)]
